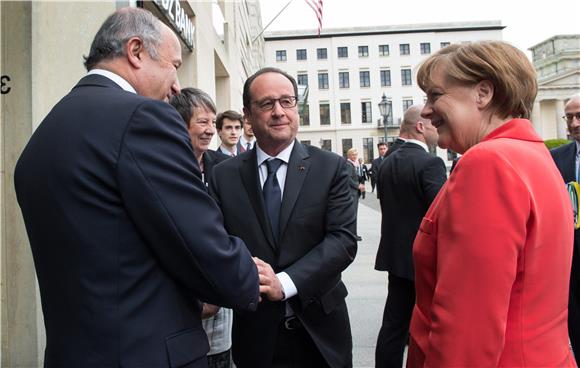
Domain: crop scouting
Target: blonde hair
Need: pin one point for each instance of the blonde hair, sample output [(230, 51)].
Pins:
[(506, 67)]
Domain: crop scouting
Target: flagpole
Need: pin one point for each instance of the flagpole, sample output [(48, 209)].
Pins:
[(273, 19)]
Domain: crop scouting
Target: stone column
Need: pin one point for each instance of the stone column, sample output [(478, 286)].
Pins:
[(537, 118), (560, 123)]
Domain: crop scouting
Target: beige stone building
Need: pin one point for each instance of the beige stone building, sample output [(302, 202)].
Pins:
[(41, 60), (557, 62)]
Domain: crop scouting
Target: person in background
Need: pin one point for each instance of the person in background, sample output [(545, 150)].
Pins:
[(229, 127), (493, 253), (247, 140), (363, 174), (374, 172), (354, 183), (198, 112), (567, 160), (125, 238), (410, 179)]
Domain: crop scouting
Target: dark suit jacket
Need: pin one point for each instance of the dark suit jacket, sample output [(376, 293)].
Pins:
[(317, 242), (126, 240), (395, 146), (410, 179), (565, 158), (375, 165), (210, 159)]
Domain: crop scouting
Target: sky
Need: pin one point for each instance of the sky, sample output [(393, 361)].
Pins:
[(527, 22)]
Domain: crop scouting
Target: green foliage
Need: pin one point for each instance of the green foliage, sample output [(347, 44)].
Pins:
[(553, 143)]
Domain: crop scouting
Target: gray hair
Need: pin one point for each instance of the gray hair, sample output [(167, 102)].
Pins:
[(118, 28), (190, 99)]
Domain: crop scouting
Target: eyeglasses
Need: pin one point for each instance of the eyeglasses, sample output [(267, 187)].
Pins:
[(570, 117), (286, 102)]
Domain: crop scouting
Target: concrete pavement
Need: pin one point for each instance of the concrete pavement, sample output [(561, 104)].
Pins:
[(367, 288)]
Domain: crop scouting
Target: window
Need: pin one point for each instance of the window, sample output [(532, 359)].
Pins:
[(342, 52), (281, 55), (324, 113), (302, 79), (406, 104), (445, 44), (365, 78), (345, 113), (306, 142), (425, 48), (301, 54), (363, 51), (368, 150), (343, 80), (390, 116), (326, 144), (322, 80), (366, 112), (304, 115), (385, 78), (383, 50), (404, 49), (406, 77), (321, 54), (346, 145)]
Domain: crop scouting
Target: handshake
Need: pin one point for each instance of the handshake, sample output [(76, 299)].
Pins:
[(270, 286)]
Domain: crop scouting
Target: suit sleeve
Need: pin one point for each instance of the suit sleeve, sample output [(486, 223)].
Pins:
[(481, 232), (161, 186), (337, 250), (433, 177)]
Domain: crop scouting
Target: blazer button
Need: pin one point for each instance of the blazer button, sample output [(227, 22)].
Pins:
[(252, 306)]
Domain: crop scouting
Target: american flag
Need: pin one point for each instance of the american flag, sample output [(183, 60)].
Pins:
[(316, 5)]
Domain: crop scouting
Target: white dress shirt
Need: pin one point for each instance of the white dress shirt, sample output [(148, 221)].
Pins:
[(115, 78)]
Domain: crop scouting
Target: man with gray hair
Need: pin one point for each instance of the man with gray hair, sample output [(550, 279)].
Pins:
[(125, 239), (567, 160), (410, 178)]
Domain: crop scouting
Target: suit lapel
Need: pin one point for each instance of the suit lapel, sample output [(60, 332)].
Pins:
[(298, 168), (251, 181)]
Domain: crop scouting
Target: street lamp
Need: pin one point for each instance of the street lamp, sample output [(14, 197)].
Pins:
[(385, 109)]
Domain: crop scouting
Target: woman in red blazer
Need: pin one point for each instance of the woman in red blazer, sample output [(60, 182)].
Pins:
[(493, 253)]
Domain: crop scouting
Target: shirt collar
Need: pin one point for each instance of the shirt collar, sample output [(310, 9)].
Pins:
[(577, 148), (115, 78), (422, 144), (284, 155)]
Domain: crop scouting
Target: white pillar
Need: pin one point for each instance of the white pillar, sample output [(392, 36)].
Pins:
[(537, 118), (559, 121)]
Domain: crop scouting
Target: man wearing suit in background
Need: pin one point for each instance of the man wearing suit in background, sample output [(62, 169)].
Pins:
[(567, 160), (247, 139), (292, 206), (229, 128), (410, 179), (126, 240), (374, 173)]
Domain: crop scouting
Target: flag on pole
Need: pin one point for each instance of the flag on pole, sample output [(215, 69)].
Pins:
[(316, 5)]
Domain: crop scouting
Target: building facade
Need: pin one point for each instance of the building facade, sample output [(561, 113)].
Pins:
[(42, 50), (557, 63), (348, 70)]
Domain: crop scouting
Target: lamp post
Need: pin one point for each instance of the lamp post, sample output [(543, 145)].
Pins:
[(385, 109)]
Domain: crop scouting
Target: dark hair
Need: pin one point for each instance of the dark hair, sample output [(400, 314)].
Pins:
[(190, 99), (247, 99), (118, 28), (381, 144), (229, 114)]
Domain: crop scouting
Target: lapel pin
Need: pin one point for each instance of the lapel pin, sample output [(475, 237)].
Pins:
[(301, 168)]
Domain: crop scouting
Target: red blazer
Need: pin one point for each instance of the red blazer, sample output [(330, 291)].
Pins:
[(492, 260)]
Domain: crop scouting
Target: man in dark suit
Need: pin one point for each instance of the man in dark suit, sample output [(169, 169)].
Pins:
[(291, 204), (126, 240), (410, 178), (376, 163), (229, 125), (567, 159)]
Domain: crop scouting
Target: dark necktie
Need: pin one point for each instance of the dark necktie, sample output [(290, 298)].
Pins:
[(248, 146), (273, 195)]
